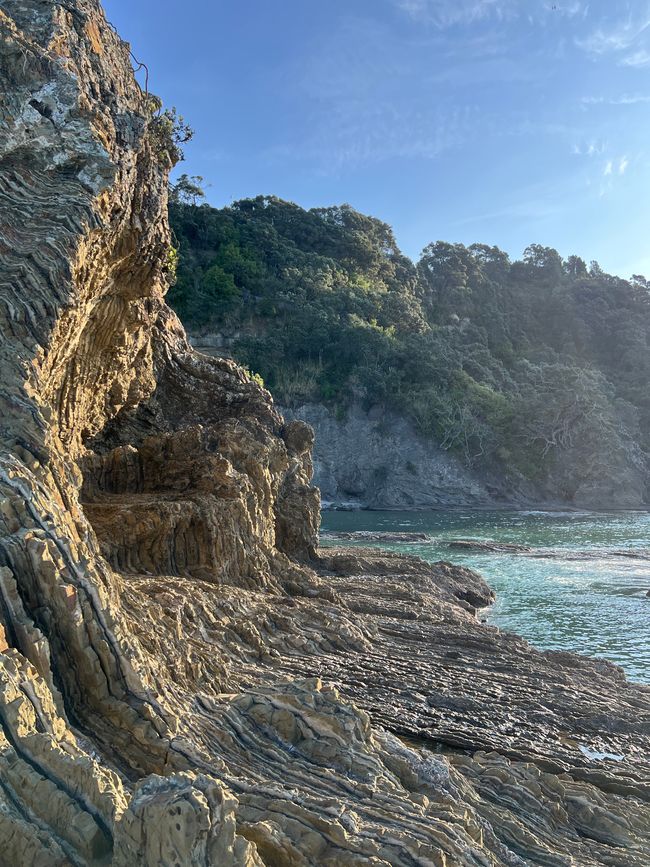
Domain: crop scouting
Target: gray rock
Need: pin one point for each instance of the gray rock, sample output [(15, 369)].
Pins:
[(378, 460), (378, 536), (488, 547)]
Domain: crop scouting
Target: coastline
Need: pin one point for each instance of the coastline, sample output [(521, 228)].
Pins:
[(186, 678), (571, 580), (517, 506)]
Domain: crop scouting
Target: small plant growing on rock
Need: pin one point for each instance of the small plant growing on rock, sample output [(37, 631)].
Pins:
[(253, 377), (170, 265), (169, 132)]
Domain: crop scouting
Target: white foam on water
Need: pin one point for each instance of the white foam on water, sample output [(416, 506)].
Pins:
[(594, 754)]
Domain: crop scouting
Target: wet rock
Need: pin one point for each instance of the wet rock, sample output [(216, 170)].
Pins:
[(378, 536), (481, 546)]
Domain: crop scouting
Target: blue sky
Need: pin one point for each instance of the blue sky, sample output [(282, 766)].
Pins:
[(500, 121)]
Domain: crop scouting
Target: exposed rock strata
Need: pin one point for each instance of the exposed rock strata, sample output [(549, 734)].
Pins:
[(376, 459), (162, 636)]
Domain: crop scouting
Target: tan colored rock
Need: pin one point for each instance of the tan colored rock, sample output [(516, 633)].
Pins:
[(184, 678), (194, 821)]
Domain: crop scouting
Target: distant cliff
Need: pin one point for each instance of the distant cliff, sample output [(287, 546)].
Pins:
[(376, 460), (491, 380)]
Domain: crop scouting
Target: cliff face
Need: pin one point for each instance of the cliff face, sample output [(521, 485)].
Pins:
[(121, 449), (162, 624), (376, 460)]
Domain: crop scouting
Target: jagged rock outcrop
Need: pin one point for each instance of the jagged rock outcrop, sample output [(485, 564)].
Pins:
[(183, 679)]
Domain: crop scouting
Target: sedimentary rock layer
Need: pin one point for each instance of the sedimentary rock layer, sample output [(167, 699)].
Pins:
[(184, 678), (377, 460)]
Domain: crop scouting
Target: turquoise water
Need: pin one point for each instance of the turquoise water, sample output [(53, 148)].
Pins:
[(584, 589)]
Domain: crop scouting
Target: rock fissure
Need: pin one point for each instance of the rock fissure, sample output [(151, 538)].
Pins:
[(80, 801)]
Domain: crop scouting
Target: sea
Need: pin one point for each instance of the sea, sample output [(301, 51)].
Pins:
[(583, 585)]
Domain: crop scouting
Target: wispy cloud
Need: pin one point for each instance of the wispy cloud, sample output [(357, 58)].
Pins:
[(623, 99), (446, 13), (530, 210), (370, 101), (356, 135), (639, 58), (611, 170), (535, 204), (570, 10), (589, 149), (376, 95), (625, 38)]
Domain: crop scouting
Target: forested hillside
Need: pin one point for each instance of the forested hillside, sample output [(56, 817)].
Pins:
[(535, 369)]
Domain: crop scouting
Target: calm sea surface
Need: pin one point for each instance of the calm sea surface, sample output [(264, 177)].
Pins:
[(583, 589)]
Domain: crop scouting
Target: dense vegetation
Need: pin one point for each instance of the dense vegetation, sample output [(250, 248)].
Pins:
[(509, 364)]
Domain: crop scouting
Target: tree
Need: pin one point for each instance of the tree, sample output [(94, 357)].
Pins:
[(187, 190), (169, 132), (640, 281), (575, 267), (546, 261), (446, 272)]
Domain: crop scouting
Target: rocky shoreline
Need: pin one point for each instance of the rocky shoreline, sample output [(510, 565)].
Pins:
[(375, 536), (186, 679)]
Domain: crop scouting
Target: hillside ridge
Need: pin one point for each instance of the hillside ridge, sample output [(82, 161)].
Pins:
[(530, 374)]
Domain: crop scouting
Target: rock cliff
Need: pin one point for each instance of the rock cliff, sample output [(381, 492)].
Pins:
[(376, 460), (184, 680)]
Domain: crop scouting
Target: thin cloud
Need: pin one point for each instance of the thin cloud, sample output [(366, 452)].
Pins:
[(638, 59), (589, 149), (446, 13), (534, 204), (611, 169), (535, 210), (571, 10), (356, 136), (624, 99), (371, 102), (624, 38)]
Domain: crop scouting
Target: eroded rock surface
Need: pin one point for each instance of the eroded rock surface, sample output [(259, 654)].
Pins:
[(184, 679)]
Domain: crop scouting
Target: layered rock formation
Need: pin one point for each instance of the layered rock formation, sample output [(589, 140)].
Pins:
[(376, 460), (183, 680)]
